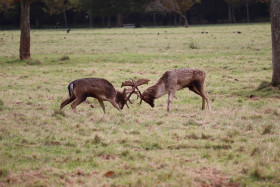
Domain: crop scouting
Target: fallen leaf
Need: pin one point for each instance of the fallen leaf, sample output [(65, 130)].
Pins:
[(79, 172), (109, 174), (254, 97)]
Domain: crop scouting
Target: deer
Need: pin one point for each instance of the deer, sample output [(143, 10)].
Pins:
[(174, 80), (98, 88)]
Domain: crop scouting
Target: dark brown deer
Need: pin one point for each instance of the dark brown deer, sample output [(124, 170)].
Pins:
[(174, 80), (101, 89)]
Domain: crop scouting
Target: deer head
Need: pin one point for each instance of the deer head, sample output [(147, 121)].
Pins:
[(149, 97), (122, 97), (134, 86)]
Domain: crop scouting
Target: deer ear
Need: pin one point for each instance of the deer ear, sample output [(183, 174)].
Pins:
[(124, 91)]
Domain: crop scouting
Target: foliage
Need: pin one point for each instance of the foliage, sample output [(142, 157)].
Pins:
[(180, 6), (5, 5), (209, 11), (113, 7), (95, 7), (58, 6)]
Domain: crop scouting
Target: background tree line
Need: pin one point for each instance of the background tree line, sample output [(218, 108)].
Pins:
[(114, 13)]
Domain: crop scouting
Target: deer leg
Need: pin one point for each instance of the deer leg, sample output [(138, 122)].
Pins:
[(76, 103), (195, 90), (207, 100), (66, 102), (200, 89), (102, 105), (170, 98), (115, 105)]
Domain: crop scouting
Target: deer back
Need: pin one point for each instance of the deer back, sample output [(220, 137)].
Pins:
[(94, 87), (181, 78), (174, 80)]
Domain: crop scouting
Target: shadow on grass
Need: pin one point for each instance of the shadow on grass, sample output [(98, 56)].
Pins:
[(36, 62), (264, 90), (1, 105), (31, 62)]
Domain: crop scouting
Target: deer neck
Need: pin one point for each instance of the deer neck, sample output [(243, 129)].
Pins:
[(159, 89), (119, 96)]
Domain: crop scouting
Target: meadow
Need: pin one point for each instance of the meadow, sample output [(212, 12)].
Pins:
[(237, 144)]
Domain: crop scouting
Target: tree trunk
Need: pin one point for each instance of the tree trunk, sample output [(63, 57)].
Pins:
[(154, 19), (186, 23), (65, 17), (24, 50), (180, 20), (169, 19), (275, 36), (229, 13), (247, 10), (37, 22), (109, 21), (103, 21), (119, 20), (90, 20), (175, 20), (233, 14)]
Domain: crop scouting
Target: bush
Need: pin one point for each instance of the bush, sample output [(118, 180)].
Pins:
[(193, 45), (1, 105), (64, 58)]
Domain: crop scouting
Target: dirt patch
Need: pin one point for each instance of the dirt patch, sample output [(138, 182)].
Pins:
[(47, 177), (211, 177), (107, 156), (29, 177)]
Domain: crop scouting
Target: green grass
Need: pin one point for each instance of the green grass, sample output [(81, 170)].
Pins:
[(237, 144)]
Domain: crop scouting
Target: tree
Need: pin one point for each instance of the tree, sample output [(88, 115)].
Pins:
[(275, 36), (155, 7), (5, 5), (247, 2), (97, 8), (179, 7), (110, 8), (210, 10), (136, 7), (24, 50), (60, 6), (232, 4)]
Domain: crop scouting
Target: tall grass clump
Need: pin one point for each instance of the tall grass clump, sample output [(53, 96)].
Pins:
[(1, 105)]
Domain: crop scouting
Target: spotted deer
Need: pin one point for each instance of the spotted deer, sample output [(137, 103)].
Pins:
[(174, 80), (101, 89)]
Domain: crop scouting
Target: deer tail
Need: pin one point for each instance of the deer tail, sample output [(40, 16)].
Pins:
[(71, 88)]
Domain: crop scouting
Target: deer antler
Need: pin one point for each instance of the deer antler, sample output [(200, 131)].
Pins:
[(132, 83), (130, 91), (139, 83), (134, 86)]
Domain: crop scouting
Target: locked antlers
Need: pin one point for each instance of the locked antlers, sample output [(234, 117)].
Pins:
[(134, 86)]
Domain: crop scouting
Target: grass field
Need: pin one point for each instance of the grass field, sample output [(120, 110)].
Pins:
[(237, 144)]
